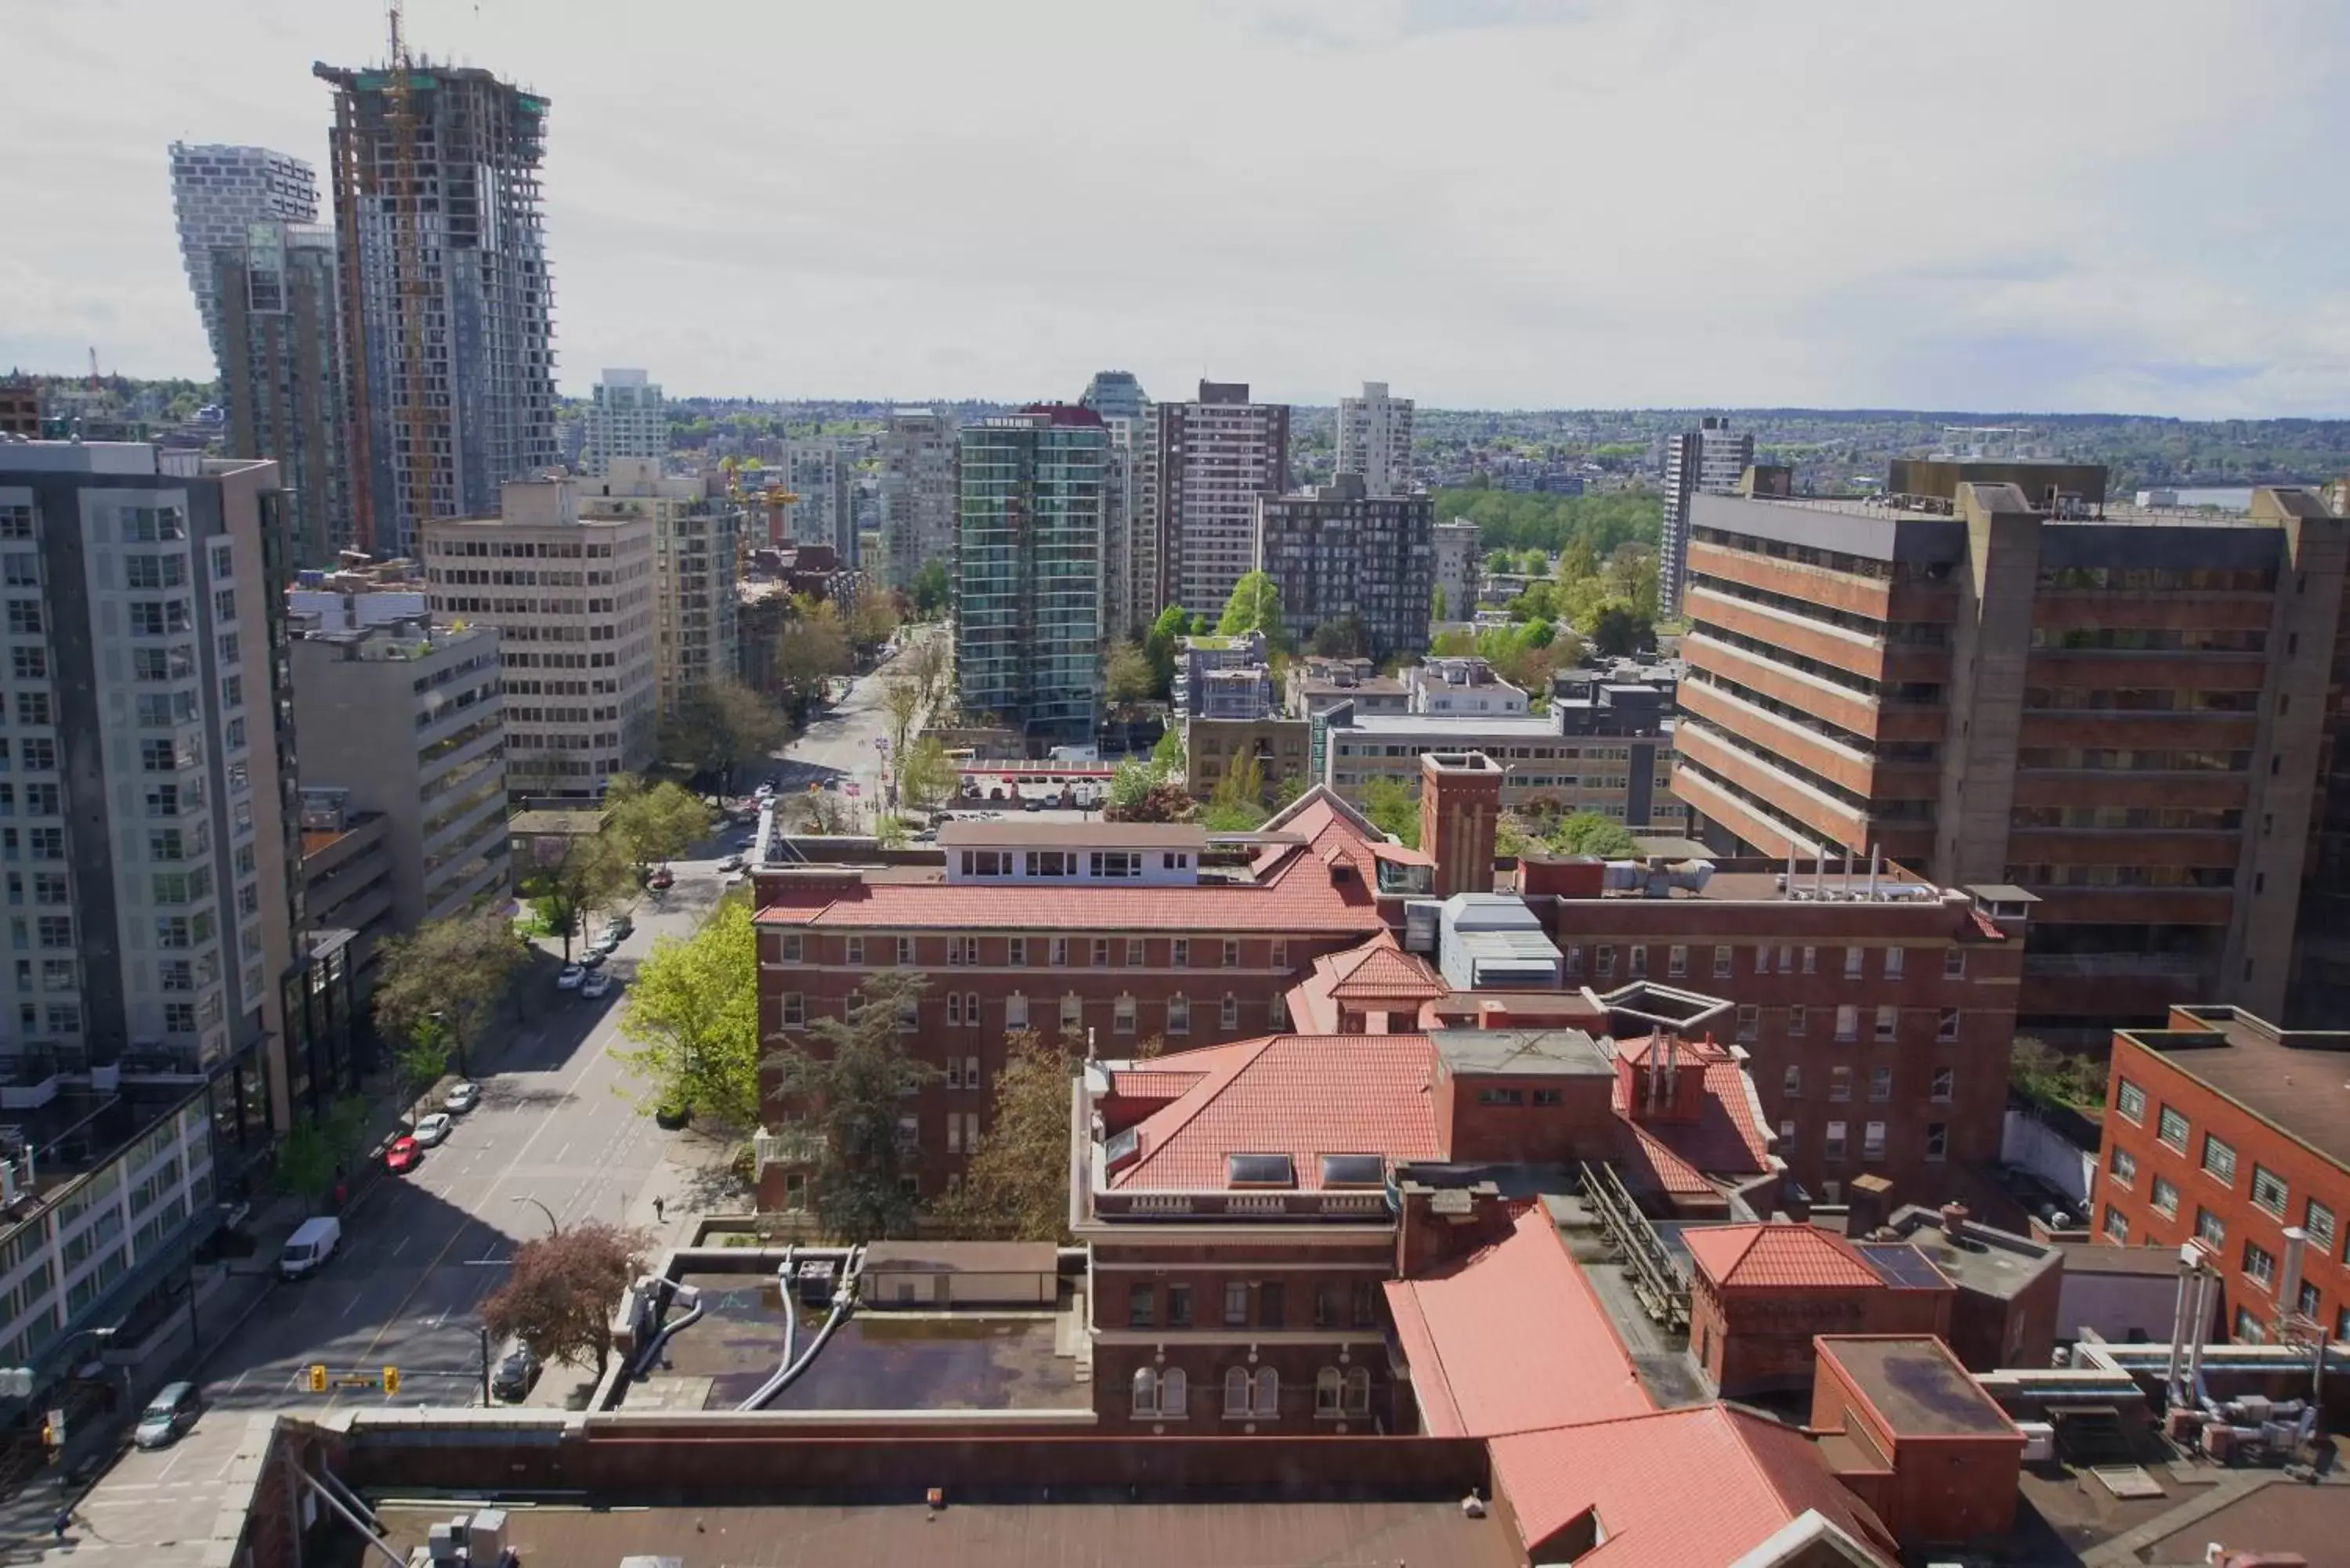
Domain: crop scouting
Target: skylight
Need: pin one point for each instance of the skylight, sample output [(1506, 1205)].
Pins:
[(1259, 1170), (1353, 1170)]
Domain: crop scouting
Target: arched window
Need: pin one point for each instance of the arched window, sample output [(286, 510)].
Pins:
[(1268, 1391), (1145, 1392), (1329, 1389), (1359, 1391), (1236, 1391), (1173, 1394)]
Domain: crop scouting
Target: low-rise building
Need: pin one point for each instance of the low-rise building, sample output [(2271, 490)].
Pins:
[(1906, 1430), (347, 873), (1278, 746), (1316, 682), (1460, 684), (1223, 677), (1623, 775)]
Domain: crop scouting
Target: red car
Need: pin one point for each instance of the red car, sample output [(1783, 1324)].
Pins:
[(402, 1155)]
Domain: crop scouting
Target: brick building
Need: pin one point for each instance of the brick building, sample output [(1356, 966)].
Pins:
[(1909, 1433), (1994, 677), (2226, 1129), (1761, 1292)]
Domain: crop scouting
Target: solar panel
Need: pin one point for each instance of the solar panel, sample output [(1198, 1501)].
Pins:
[(1353, 1170), (1259, 1170), (1902, 1266)]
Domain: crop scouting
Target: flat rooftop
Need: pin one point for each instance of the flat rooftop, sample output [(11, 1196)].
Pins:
[(2297, 1080), (1899, 508), (1916, 1386), (1522, 1052), (1066, 1534), (1994, 1262), (963, 833)]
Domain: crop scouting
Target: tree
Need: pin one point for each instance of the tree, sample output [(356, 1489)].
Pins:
[(694, 1010), (419, 1064), (850, 1092), (929, 662), (1255, 605), (930, 590), (655, 822), (870, 618), (1500, 562), (1631, 575), (1436, 604), (318, 1148), (719, 723), (1619, 629), (1344, 638), (1159, 646), (2053, 1077), (1576, 562), (1238, 803), (1016, 1188), (1164, 800), (812, 648), (569, 873), (926, 776), (1166, 754), (561, 1291), (1128, 676), (902, 700), (1394, 810), (442, 982), (1588, 832)]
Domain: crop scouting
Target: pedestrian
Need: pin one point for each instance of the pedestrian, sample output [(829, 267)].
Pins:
[(661, 1208), (64, 1517)]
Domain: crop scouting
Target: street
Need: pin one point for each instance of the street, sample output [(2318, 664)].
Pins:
[(838, 745)]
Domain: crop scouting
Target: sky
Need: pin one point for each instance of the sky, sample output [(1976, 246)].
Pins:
[(2009, 206)]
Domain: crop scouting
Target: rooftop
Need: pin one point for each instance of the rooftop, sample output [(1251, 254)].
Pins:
[(1781, 1255), (1523, 1053), (1980, 1258), (965, 833), (2297, 1080), (1916, 1387)]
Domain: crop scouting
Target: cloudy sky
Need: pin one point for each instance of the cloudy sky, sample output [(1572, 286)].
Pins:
[(2008, 205)]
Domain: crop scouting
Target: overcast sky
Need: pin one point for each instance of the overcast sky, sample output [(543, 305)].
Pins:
[(2047, 204)]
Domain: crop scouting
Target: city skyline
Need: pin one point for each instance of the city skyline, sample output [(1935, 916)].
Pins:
[(2132, 265)]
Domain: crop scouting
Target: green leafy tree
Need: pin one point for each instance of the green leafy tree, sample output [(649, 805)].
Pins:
[(1589, 833), (1576, 562), (848, 1087), (1129, 782), (1394, 809), (561, 1291), (1127, 675), (1619, 629), (651, 823), (1159, 646), (316, 1147), (566, 874), (693, 1012), (418, 1065), (1167, 756), (1500, 563), (1344, 638), (1164, 800), (930, 590), (437, 987), (1238, 803), (1016, 1188), (902, 700), (720, 722), (927, 777), (811, 650), (1631, 575), (1436, 604), (1255, 605)]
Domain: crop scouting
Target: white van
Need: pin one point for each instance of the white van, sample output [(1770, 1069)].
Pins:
[(312, 1244)]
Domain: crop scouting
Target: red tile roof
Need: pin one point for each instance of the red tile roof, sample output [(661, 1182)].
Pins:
[(1300, 1094), (1781, 1255), (1380, 970), (1513, 1339), (1727, 1139), (1675, 1488)]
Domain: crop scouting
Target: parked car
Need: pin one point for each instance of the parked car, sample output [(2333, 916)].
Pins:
[(661, 879), (432, 1131), (572, 977), (599, 985), (593, 958), (462, 1096), (170, 1412), (732, 863), (618, 930), (312, 1243), (514, 1376), (403, 1155), (1033, 803)]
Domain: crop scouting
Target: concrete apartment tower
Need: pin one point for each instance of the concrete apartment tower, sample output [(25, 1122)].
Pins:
[(919, 501), (1995, 678), (1340, 554), (581, 665), (625, 418), (1711, 458), (1028, 591), (1375, 441), (284, 377), (218, 193), (474, 305), (1214, 457), (696, 531), (1456, 567), (153, 856), (815, 471)]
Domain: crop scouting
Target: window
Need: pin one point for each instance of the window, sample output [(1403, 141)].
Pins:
[(2164, 1196), (855, 953), (2218, 1159), (2260, 1263), (1179, 1014), (1573, 952), (1329, 1393), (905, 952), (2116, 1226), (1888, 1022), (1748, 1019), (1072, 1013), (24, 618), (1101, 952), (1954, 963), (1945, 1085), (1015, 1011), (1231, 953), (1228, 1016), (2208, 1229), (1791, 1083), (1123, 1015), (970, 1078), (794, 1009), (2123, 1167), (1637, 962), (1603, 963), (1363, 1305), (1281, 956), (1141, 1306), (224, 605), (2318, 1221), (2269, 1190), (791, 948), (1798, 1020), (1761, 960), (962, 950), (2130, 1101), (1271, 1307), (2250, 1330), (1853, 958), (33, 663), (1721, 963), (1060, 953), (1847, 1023), (1832, 1147), (1872, 1140), (1246, 1396), (1937, 1140), (1179, 952), (1236, 1303), (1811, 959), (1881, 1083), (33, 708), (1134, 959), (1676, 962), (1946, 1025), (954, 1016), (909, 1014), (1162, 1396), (1839, 1082), (1895, 961), (1019, 951), (2170, 1127), (1179, 1306)]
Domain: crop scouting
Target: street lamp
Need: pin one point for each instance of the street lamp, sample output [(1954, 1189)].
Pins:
[(554, 1226)]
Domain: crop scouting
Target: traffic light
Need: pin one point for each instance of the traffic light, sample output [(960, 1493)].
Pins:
[(391, 1381), (318, 1378)]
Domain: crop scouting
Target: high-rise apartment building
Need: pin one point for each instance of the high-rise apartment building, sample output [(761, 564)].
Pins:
[(283, 375), (1215, 458), (1115, 395), (1028, 583), (1711, 458), (447, 301), (218, 193), (1375, 441), (1341, 556), (1456, 568), (625, 417), (1127, 553), (150, 847), (571, 599), (1997, 678), (919, 505), (816, 471), (407, 720), (696, 527)]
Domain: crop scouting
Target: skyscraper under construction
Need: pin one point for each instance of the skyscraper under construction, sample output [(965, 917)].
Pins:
[(448, 303)]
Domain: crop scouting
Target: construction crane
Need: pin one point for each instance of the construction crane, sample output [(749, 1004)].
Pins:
[(94, 377), (408, 405)]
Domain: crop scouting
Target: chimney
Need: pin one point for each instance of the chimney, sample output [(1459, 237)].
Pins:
[(1954, 1220), (1459, 808)]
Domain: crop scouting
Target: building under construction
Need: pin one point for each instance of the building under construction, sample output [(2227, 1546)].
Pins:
[(447, 299)]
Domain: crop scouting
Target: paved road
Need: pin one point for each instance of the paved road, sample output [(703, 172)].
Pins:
[(839, 745)]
